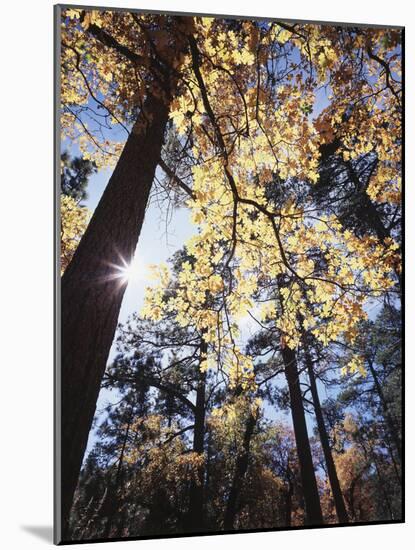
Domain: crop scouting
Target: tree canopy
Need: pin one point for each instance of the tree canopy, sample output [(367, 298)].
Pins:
[(284, 142)]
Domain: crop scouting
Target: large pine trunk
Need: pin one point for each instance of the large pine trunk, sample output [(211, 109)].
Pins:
[(91, 296), (324, 439), (308, 478)]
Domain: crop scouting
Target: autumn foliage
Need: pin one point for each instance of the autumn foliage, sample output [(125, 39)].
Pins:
[(284, 143)]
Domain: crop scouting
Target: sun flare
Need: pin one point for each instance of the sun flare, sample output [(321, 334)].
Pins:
[(129, 273)]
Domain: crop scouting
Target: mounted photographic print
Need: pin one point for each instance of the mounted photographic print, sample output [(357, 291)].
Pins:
[(228, 279)]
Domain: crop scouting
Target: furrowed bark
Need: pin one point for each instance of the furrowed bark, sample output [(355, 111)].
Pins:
[(91, 294)]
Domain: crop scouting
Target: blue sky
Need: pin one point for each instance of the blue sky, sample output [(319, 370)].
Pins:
[(158, 241)]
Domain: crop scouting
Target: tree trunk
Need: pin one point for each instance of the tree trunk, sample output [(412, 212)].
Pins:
[(288, 503), (313, 512), (115, 490), (241, 467), (91, 295), (196, 491), (324, 439)]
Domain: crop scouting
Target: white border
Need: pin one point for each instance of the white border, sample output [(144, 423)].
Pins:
[(27, 275)]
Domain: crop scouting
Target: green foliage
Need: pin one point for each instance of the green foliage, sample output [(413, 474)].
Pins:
[(75, 173)]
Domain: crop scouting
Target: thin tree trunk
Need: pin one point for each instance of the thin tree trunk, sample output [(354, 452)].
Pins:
[(95, 517), (288, 503), (196, 491), (313, 512), (115, 490), (324, 439), (241, 467)]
